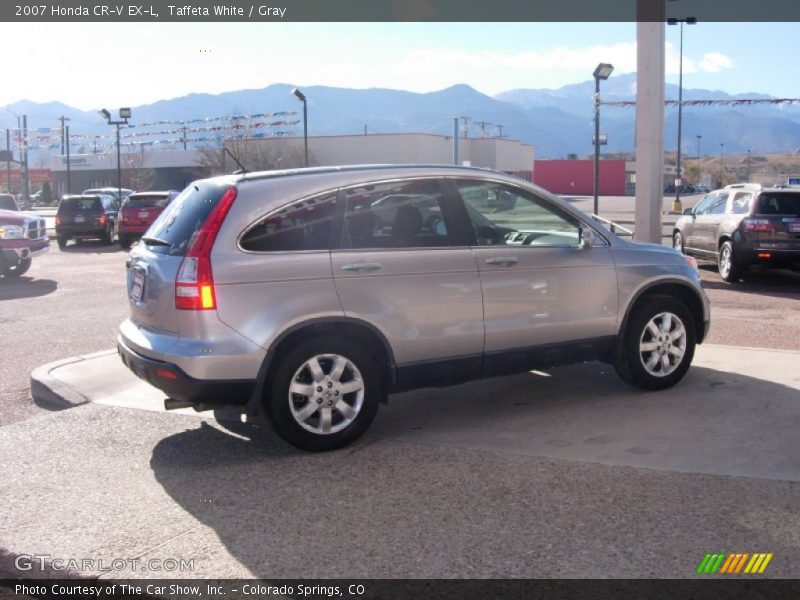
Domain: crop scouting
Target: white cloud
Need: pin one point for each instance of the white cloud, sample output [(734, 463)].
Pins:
[(714, 62)]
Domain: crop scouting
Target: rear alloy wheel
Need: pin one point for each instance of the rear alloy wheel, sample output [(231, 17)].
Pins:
[(657, 345), (677, 241), (124, 242), (727, 264), (324, 394), (62, 242), (17, 270)]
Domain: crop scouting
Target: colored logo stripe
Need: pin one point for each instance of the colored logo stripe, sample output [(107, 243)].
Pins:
[(734, 563)]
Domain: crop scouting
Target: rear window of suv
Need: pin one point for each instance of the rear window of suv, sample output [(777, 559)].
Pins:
[(779, 204), (180, 222), (157, 201), (75, 205)]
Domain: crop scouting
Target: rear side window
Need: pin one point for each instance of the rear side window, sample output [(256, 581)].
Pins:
[(741, 203), (302, 225), (779, 204), (156, 201), (178, 225), (405, 214), (76, 205)]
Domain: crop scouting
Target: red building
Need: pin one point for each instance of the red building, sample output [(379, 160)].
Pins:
[(576, 177)]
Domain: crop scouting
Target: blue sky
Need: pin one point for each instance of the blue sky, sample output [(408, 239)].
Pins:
[(88, 65)]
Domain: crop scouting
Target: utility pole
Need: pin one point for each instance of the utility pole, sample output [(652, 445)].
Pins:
[(455, 140), (482, 125), (465, 127), (184, 137), (499, 131), (748, 165), (8, 162), (26, 183), (69, 180), (365, 129), (63, 119)]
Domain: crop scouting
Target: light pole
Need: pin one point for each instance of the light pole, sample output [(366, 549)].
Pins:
[(721, 167), (699, 137), (124, 115), (603, 71), (300, 96), (677, 206), (22, 141), (748, 165)]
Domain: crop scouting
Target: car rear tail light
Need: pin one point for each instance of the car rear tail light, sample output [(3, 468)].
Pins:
[(194, 285), (102, 220), (764, 255), (757, 225), (58, 220)]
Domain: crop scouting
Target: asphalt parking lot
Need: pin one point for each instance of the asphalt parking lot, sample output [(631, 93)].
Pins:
[(572, 474)]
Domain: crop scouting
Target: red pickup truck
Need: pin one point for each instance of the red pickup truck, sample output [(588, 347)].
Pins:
[(22, 236)]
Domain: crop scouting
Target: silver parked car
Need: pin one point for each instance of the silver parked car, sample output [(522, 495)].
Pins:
[(289, 291)]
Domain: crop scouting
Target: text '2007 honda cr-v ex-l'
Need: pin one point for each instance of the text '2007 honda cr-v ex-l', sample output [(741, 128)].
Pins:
[(314, 293)]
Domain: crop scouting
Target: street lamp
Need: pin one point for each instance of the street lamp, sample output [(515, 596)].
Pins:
[(124, 115), (677, 206), (603, 71), (22, 140), (300, 96)]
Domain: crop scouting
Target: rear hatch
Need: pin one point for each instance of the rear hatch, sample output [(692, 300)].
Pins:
[(79, 211), (142, 210), (154, 263), (775, 224)]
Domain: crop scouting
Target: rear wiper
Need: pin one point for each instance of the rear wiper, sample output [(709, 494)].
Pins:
[(154, 241)]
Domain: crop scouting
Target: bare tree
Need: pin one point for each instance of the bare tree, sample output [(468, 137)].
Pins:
[(136, 174), (255, 154)]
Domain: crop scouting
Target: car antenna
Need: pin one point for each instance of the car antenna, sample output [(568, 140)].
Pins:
[(242, 168)]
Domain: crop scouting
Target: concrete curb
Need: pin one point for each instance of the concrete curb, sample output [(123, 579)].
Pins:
[(50, 392)]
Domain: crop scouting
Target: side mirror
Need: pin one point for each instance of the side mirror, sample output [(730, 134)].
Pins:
[(588, 237), (688, 211)]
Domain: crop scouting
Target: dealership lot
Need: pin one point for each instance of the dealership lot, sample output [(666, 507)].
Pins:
[(571, 474)]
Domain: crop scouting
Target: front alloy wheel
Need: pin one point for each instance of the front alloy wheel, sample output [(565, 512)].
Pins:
[(657, 345), (662, 344), (677, 241)]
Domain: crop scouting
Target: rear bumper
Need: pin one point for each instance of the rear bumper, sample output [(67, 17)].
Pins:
[(176, 384), (768, 255), (132, 229), (81, 231)]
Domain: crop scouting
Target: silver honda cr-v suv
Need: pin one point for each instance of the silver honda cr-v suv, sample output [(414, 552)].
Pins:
[(315, 293)]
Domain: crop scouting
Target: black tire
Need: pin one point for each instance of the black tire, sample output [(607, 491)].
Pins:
[(677, 241), (17, 270), (108, 236), (279, 404), (125, 242), (62, 242), (728, 263), (630, 363)]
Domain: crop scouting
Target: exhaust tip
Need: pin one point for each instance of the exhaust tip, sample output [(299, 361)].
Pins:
[(173, 404)]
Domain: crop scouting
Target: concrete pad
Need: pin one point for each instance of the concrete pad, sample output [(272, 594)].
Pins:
[(736, 413)]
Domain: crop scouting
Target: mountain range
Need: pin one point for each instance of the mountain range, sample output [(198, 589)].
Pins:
[(557, 122)]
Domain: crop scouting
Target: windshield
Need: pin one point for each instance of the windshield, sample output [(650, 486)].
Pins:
[(779, 204), (153, 201), (73, 205)]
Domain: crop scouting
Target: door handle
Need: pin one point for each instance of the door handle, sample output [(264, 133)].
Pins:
[(362, 267), (504, 261)]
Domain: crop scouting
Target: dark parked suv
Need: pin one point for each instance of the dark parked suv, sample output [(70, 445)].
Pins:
[(86, 217), (313, 294), (741, 226)]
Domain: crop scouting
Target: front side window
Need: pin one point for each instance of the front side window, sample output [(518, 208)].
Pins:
[(504, 215), (405, 214), (302, 225), (713, 204)]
